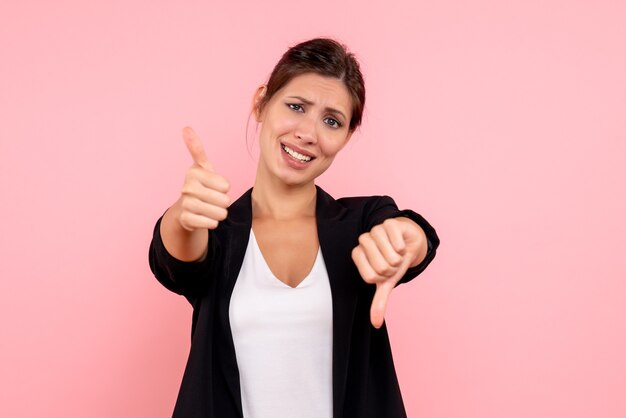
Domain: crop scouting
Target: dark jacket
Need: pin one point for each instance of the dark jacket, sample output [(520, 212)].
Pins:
[(364, 378)]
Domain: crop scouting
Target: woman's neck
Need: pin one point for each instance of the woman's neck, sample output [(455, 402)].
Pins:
[(282, 202)]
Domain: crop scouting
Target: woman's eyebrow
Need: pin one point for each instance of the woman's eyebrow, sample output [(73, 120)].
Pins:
[(328, 109)]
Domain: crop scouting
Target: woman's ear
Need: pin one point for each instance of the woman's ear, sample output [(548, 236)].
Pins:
[(258, 97)]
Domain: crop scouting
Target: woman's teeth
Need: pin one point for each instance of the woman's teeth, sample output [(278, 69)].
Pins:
[(296, 155)]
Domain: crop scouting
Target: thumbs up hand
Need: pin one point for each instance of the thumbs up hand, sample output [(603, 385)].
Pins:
[(383, 256), (203, 201)]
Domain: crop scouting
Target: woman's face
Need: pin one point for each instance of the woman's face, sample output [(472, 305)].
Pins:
[(304, 125)]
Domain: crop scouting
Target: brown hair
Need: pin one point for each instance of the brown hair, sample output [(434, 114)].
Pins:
[(325, 57)]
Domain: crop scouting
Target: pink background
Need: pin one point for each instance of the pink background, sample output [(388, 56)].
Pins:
[(503, 123)]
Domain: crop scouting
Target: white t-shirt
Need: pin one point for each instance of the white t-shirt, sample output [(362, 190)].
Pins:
[(283, 340)]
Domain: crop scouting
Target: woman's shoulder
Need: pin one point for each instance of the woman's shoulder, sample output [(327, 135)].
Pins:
[(355, 202), (369, 210), (364, 201), (352, 206)]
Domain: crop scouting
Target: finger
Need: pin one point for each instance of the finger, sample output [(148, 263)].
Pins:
[(215, 182), (206, 178), (382, 239), (198, 207), (207, 195), (363, 265), (192, 221), (395, 231), (375, 257), (196, 149), (379, 303)]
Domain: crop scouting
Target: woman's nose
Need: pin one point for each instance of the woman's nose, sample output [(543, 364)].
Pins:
[(306, 130)]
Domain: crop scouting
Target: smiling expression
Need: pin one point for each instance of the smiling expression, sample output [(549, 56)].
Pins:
[(304, 125)]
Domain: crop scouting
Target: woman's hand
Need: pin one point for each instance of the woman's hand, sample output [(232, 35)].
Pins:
[(383, 256), (202, 204), (203, 201)]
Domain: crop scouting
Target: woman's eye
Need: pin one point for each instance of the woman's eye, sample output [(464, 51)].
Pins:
[(296, 107), (334, 123)]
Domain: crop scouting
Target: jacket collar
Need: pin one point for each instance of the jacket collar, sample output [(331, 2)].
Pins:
[(327, 209)]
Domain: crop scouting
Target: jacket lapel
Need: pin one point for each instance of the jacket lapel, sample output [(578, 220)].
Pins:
[(236, 233), (337, 235)]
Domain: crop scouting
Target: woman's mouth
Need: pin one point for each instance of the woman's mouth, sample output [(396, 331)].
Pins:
[(296, 155)]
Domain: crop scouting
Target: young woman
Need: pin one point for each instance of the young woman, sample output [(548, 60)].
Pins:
[(288, 285)]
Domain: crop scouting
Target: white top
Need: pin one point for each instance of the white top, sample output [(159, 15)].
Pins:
[(283, 340)]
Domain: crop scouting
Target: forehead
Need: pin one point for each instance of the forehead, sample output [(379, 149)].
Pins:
[(325, 91)]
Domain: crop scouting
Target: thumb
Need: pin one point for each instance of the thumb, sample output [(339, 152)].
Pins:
[(194, 145), (379, 302)]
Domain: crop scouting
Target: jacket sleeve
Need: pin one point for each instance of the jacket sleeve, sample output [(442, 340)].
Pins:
[(181, 277), (384, 207)]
